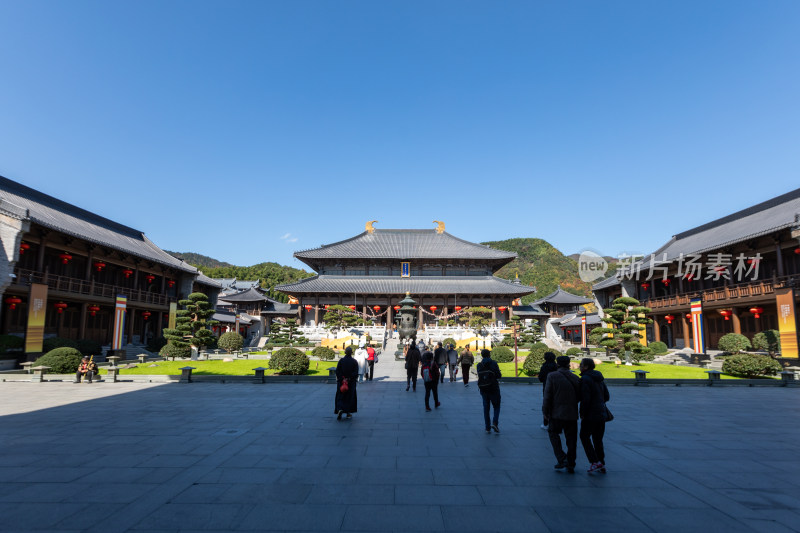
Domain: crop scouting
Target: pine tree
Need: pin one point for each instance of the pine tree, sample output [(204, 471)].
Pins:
[(286, 333), (191, 326), (627, 318)]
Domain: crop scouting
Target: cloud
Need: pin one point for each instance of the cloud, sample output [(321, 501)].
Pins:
[(293, 239), (289, 238), (286, 236)]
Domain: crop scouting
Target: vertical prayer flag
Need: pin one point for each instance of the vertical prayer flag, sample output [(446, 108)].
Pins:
[(698, 333), (173, 313), (37, 307), (119, 322), (583, 331), (787, 321)]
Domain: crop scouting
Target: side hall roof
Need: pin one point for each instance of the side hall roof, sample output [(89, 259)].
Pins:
[(560, 296), (249, 295), (66, 218), (398, 285)]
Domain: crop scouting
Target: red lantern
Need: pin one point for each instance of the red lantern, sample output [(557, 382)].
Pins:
[(689, 277), (434, 308), (757, 311), (352, 307), (669, 318), (689, 317), (24, 246), (726, 313), (665, 281), (60, 306), (150, 278), (308, 307), (326, 307), (171, 283), (12, 302), (93, 309), (65, 258), (127, 272), (99, 265), (458, 308), (502, 308), (146, 314), (645, 286), (797, 250), (376, 308), (396, 307)]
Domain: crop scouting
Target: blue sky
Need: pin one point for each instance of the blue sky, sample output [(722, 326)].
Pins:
[(249, 130)]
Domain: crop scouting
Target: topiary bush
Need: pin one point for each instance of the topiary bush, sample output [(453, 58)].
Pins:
[(324, 353), (751, 365), (289, 361), (658, 348), (539, 346), (733, 343), (51, 343), (170, 350), (574, 351), (230, 341), (64, 360), (449, 340), (89, 347), (768, 341), (502, 354), (11, 342), (594, 338)]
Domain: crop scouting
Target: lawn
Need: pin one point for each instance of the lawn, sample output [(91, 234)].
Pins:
[(239, 367), (656, 371)]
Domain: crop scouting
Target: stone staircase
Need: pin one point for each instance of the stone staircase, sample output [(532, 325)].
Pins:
[(684, 359)]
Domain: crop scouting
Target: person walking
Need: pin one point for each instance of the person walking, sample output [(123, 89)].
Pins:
[(361, 358), (412, 365), (370, 362), (489, 386), (466, 360), (452, 362), (594, 395), (429, 371), (560, 411), (548, 366), (421, 346), (346, 400), (440, 359)]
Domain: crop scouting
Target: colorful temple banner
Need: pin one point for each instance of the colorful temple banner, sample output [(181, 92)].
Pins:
[(173, 314), (698, 334), (642, 333), (787, 322), (34, 335), (119, 322), (405, 269), (583, 331)]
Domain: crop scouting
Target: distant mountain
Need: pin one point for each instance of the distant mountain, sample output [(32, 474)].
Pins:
[(199, 260), (541, 265)]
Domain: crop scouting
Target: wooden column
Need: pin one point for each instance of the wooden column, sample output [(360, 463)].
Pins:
[(656, 330), (82, 321), (687, 327), (40, 257), (129, 318), (778, 258), (316, 310), (737, 322), (159, 324)]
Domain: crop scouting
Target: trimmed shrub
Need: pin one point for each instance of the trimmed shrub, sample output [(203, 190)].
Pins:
[(594, 338), (502, 354), (155, 344), (324, 353), (733, 343), (52, 343), (751, 365), (289, 361), (768, 341), (64, 360), (658, 348), (11, 342), (539, 346), (170, 350), (449, 340), (574, 351), (230, 341), (533, 363), (89, 347)]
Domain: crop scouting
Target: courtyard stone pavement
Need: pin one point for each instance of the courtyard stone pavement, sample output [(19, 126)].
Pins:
[(110, 457)]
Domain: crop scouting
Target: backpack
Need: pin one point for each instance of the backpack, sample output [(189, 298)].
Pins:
[(487, 380), (426, 373)]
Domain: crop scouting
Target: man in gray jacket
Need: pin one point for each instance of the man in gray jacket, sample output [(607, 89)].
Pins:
[(560, 410)]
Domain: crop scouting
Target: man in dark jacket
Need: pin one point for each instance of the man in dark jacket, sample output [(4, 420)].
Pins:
[(440, 358), (346, 370), (488, 383), (548, 366), (412, 365), (560, 410), (594, 395)]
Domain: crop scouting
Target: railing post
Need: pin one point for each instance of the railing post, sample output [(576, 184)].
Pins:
[(259, 378), (38, 373), (640, 376), (113, 372), (186, 374), (713, 376)]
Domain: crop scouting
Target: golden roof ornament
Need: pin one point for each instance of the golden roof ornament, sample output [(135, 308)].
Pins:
[(369, 227), (439, 226)]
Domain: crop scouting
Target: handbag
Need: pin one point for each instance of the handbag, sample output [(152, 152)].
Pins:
[(607, 416), (344, 387)]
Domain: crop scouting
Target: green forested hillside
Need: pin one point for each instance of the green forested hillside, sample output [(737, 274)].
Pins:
[(270, 274), (199, 260), (541, 265)]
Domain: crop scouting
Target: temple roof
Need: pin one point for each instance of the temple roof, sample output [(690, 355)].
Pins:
[(398, 285), (575, 320), (274, 307), (66, 218), (233, 284), (228, 317), (404, 244), (562, 297), (530, 311), (205, 280), (606, 283), (249, 295)]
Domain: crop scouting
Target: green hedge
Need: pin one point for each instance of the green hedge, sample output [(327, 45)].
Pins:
[(751, 365), (768, 341), (170, 350), (502, 354), (658, 348), (230, 341), (449, 340), (733, 343), (11, 342), (64, 360), (289, 361), (574, 351), (324, 353)]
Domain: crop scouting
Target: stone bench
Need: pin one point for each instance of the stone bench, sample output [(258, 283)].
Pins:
[(38, 373), (186, 374), (640, 376)]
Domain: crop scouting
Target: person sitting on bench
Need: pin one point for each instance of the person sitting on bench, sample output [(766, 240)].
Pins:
[(87, 368)]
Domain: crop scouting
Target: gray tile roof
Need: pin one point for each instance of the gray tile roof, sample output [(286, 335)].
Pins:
[(66, 218), (205, 280), (575, 320), (562, 297), (398, 285), (234, 284), (249, 295), (529, 311), (405, 244), (273, 307), (606, 283), (227, 317)]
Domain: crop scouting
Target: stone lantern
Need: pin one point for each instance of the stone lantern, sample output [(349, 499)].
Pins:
[(407, 319)]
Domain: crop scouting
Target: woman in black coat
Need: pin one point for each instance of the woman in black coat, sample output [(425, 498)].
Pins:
[(412, 365), (548, 366), (347, 369)]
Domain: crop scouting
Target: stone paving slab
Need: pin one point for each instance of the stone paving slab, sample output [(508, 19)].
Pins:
[(243, 457)]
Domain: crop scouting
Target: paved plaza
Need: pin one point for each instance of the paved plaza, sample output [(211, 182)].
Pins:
[(227, 457)]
